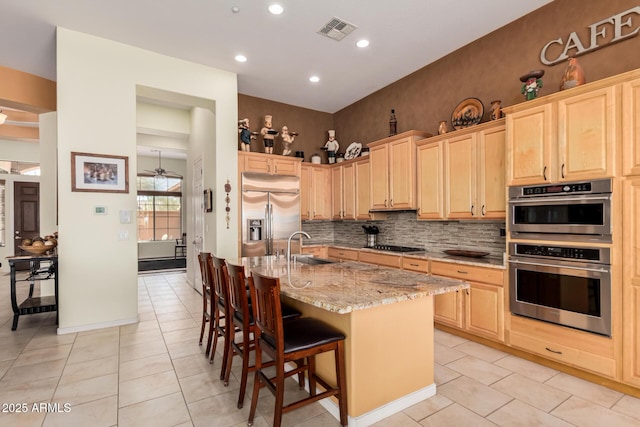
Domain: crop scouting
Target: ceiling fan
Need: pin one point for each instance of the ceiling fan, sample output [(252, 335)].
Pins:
[(159, 172)]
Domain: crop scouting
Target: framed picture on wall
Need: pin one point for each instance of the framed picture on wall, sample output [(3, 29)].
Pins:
[(208, 200), (101, 173)]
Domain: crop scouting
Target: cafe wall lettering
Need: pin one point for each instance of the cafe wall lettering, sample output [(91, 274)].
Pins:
[(622, 25)]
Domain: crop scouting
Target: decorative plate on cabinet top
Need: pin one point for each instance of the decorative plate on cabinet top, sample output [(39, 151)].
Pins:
[(353, 151), (468, 113)]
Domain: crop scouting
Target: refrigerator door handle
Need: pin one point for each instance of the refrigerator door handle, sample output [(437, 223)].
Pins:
[(270, 229), (267, 229)]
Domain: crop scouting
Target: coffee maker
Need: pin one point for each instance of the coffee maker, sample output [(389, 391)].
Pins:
[(372, 235)]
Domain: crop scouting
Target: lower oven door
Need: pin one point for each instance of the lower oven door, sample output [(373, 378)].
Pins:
[(573, 294)]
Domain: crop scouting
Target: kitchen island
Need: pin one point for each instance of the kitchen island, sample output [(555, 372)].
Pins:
[(387, 317)]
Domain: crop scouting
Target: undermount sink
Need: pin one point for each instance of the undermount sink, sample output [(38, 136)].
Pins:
[(310, 259)]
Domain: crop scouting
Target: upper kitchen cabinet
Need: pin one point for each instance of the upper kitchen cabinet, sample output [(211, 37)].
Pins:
[(315, 192), (430, 181), (393, 169), (631, 127), (362, 168), (567, 136), (474, 172), (343, 191), (268, 163)]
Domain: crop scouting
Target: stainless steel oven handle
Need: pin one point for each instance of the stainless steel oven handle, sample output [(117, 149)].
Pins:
[(596, 270), (541, 200)]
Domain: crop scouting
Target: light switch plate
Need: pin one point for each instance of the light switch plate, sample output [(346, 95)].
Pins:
[(125, 216)]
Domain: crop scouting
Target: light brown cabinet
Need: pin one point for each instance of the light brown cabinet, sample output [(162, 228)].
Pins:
[(387, 260), (343, 191), (393, 182), (268, 163), (631, 127), (341, 254), (316, 251), (479, 309), (631, 281), (315, 192), (430, 179), (567, 138), (362, 188)]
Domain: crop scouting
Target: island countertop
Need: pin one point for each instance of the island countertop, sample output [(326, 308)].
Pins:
[(344, 287)]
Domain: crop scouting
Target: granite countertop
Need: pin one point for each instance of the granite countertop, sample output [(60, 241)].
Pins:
[(343, 287), (490, 262)]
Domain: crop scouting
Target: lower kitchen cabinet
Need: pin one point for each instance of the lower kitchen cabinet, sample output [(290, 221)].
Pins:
[(380, 259), (478, 310), (316, 251), (341, 254)]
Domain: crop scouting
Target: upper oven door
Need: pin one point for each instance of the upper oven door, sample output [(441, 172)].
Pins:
[(583, 217)]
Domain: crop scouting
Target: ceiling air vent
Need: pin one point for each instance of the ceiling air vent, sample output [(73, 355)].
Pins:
[(336, 29)]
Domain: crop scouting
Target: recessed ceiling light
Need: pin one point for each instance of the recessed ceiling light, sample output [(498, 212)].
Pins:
[(276, 9), (362, 43), (235, 9), (241, 58), (314, 79)]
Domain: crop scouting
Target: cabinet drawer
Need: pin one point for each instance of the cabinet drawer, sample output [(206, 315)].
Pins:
[(420, 265), (318, 251), (467, 272), (343, 254), (380, 259)]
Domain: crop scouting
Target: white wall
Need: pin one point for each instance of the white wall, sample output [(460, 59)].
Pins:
[(97, 82)]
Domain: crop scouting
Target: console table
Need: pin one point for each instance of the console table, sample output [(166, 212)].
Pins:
[(41, 267)]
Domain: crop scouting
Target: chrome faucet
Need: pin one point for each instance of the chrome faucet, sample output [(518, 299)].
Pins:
[(289, 243)]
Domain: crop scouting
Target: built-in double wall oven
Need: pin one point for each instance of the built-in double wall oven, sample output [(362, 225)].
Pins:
[(568, 281)]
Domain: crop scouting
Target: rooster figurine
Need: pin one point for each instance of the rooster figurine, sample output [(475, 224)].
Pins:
[(573, 75)]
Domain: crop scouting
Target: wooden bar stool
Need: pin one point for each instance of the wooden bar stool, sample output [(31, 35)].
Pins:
[(207, 302), (222, 309), (293, 341), (242, 319)]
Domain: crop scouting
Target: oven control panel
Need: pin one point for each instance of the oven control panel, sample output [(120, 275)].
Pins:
[(554, 189), (566, 252), (602, 186)]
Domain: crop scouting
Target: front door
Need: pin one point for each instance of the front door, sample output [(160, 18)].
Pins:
[(26, 214)]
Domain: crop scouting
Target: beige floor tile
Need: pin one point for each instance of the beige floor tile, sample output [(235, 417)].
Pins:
[(169, 410), (219, 410), (473, 395), (34, 391), (50, 340), (101, 331), (183, 335), (444, 354), (140, 351), (4, 367), (526, 368), (187, 348), (108, 337), (538, 395), (146, 388), (519, 414), (28, 419), (443, 374), (628, 405), (99, 413), (584, 413), (147, 366), (427, 407), (479, 370), (140, 326), (455, 415), (34, 372), (170, 317), (87, 390), (480, 351), (99, 351), (203, 385), (322, 420), (587, 390), (149, 315), (141, 337), (177, 325), (397, 420), (74, 372), (43, 355), (196, 364)]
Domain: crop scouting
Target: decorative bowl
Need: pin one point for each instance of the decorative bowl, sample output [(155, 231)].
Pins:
[(37, 250)]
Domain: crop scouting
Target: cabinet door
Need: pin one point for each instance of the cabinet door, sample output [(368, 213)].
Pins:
[(430, 181), (631, 282), (402, 174), (321, 202), (379, 156), (587, 135), (254, 163), (529, 135), (363, 189), (337, 208), (631, 128), (348, 192), (460, 177), (448, 309), (306, 192), (484, 314), (284, 166), (491, 174)]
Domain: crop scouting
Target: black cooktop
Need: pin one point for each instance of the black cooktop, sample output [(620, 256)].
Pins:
[(392, 248)]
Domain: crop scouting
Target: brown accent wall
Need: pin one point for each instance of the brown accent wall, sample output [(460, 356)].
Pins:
[(310, 124), (488, 69)]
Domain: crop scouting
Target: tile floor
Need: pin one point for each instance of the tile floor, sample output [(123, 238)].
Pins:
[(154, 374)]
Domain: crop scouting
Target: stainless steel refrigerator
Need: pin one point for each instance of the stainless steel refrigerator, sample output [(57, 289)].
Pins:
[(270, 213)]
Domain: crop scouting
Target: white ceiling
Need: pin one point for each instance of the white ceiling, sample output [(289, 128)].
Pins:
[(283, 51)]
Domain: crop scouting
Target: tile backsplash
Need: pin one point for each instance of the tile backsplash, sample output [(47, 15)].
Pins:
[(403, 229)]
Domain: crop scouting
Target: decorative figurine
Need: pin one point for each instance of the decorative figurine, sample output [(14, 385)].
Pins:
[(496, 110), (532, 84), (393, 123), (332, 146), (287, 140), (245, 134), (442, 127), (268, 134), (573, 75)]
